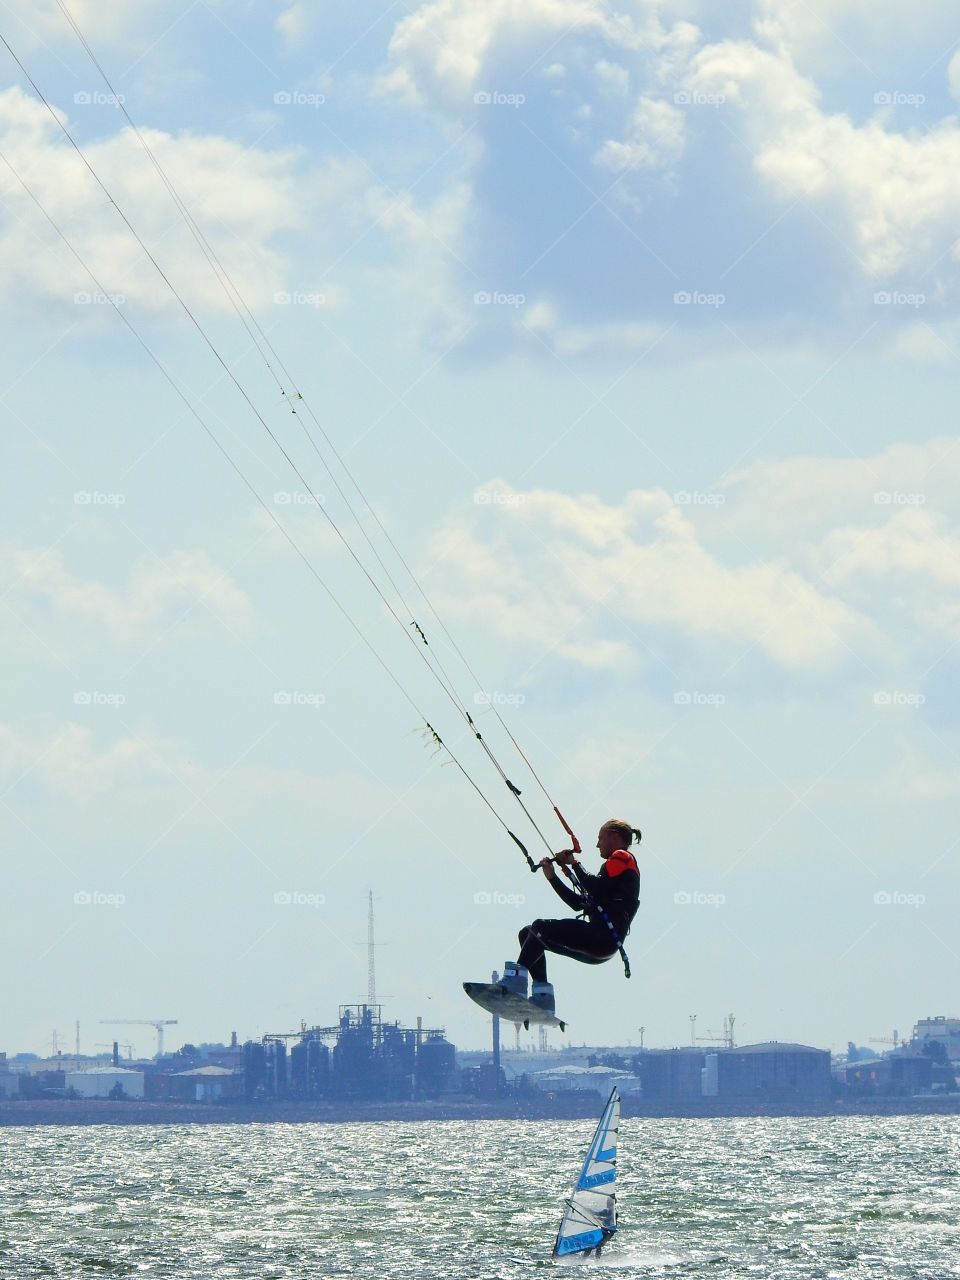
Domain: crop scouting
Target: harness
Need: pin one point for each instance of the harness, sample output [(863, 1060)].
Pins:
[(592, 905)]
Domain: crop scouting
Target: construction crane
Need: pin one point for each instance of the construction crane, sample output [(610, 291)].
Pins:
[(894, 1040), (726, 1039), (157, 1023)]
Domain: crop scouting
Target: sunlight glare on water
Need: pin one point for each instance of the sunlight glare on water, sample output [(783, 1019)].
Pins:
[(859, 1198)]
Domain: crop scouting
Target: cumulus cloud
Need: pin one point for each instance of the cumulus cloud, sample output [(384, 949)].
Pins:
[(811, 495), (595, 570), (41, 21), (442, 49), (635, 129), (158, 593), (893, 197), (295, 21), (655, 139), (69, 763), (242, 197)]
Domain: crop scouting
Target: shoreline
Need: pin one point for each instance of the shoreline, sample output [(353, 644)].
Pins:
[(86, 1113)]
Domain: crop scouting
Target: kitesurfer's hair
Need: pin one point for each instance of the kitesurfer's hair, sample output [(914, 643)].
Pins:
[(623, 829)]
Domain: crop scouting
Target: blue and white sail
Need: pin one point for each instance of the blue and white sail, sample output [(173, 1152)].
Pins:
[(590, 1217)]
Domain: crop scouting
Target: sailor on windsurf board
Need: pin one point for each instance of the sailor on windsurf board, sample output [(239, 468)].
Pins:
[(606, 903)]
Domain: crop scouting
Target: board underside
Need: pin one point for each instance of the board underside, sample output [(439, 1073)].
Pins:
[(509, 1006)]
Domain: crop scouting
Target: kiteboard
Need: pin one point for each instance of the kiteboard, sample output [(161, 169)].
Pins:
[(496, 999)]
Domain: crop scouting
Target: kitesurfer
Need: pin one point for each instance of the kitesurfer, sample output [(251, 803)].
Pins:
[(607, 903)]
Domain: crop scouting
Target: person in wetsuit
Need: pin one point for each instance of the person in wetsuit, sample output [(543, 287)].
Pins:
[(615, 889)]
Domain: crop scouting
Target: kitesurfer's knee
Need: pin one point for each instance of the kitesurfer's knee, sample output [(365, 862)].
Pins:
[(530, 931)]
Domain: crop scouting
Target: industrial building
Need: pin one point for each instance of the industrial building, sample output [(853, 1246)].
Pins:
[(104, 1082), (940, 1030), (771, 1072), (670, 1075), (370, 1059), (895, 1075)]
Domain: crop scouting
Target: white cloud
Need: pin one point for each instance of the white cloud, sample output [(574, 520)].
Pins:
[(442, 49), (655, 140), (241, 196), (810, 495), (41, 21), (296, 21), (594, 568), (570, 340), (840, 34), (893, 198), (157, 595), (914, 545), (889, 194), (69, 763)]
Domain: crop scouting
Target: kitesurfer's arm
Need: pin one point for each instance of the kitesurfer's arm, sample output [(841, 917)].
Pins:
[(590, 884), (574, 901)]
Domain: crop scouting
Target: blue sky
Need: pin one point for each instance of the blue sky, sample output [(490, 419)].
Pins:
[(638, 328)]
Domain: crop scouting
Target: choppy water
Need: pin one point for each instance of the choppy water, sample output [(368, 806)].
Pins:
[(787, 1199)]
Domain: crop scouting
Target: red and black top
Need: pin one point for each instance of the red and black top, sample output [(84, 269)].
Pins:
[(616, 888)]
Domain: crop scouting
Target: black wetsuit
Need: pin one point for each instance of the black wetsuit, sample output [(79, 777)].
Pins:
[(616, 888)]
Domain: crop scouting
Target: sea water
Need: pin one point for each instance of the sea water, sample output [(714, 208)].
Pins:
[(788, 1199)]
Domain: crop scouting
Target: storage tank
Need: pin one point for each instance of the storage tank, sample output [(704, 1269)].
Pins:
[(436, 1067)]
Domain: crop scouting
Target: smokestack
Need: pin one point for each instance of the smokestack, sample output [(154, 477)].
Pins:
[(116, 1053)]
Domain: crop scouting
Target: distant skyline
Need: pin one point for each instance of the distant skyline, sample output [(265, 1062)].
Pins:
[(708, 1035), (639, 330)]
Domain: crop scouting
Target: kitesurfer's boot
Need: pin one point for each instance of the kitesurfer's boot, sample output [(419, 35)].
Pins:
[(542, 997), (515, 979)]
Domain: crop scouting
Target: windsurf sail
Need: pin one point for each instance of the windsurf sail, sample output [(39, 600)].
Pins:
[(590, 1217)]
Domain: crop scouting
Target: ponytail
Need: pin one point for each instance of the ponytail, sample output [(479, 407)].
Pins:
[(624, 830)]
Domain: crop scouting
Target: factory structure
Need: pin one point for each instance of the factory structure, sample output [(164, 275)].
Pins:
[(363, 1057)]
